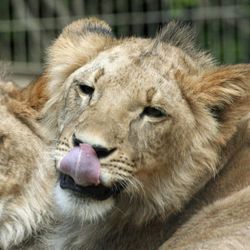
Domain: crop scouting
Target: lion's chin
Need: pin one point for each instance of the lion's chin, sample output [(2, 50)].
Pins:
[(81, 208)]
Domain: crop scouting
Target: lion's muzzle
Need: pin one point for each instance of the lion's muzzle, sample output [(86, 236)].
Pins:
[(82, 165), (80, 172)]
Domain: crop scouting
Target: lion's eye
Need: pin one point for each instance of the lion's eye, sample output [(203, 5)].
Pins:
[(153, 112), (87, 90)]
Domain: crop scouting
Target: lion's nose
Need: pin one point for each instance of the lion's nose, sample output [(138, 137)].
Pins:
[(101, 151)]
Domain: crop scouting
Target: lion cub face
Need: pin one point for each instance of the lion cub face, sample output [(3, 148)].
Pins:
[(132, 114), (140, 123)]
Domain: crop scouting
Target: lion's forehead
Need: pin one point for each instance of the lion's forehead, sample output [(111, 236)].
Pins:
[(112, 61), (129, 67), (129, 57)]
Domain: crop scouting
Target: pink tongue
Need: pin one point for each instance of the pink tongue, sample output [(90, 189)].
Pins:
[(82, 164)]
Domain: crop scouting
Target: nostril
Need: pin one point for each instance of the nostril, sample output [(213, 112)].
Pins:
[(102, 152), (76, 141)]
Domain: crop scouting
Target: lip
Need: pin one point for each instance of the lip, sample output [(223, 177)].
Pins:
[(98, 192)]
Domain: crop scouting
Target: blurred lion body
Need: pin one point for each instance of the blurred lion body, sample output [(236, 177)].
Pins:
[(26, 175), (179, 125)]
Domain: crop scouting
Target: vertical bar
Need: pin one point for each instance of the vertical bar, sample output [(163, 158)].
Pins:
[(26, 43), (130, 8), (5, 34), (78, 7), (34, 36), (12, 47), (114, 12), (221, 36), (236, 35)]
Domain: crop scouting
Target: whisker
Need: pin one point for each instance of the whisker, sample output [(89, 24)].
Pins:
[(119, 210)]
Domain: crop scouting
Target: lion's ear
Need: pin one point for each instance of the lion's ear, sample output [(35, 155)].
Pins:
[(78, 43), (225, 92)]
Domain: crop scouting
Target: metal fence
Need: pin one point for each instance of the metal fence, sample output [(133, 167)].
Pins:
[(27, 27)]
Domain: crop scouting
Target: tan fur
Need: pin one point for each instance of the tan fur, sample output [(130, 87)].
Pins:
[(26, 175), (35, 94), (174, 166)]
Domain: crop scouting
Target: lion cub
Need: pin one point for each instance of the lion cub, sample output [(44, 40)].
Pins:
[(26, 175), (152, 138)]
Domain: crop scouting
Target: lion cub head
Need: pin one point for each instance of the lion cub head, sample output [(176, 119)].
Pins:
[(26, 177), (141, 123)]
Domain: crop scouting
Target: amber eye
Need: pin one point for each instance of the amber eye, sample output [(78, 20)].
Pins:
[(87, 90), (153, 112)]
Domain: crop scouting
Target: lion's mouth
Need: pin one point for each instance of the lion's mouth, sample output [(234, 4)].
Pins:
[(98, 192)]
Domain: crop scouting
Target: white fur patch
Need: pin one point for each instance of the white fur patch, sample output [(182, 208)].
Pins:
[(106, 177), (84, 209)]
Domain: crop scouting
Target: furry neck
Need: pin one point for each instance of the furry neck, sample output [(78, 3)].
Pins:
[(232, 162)]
